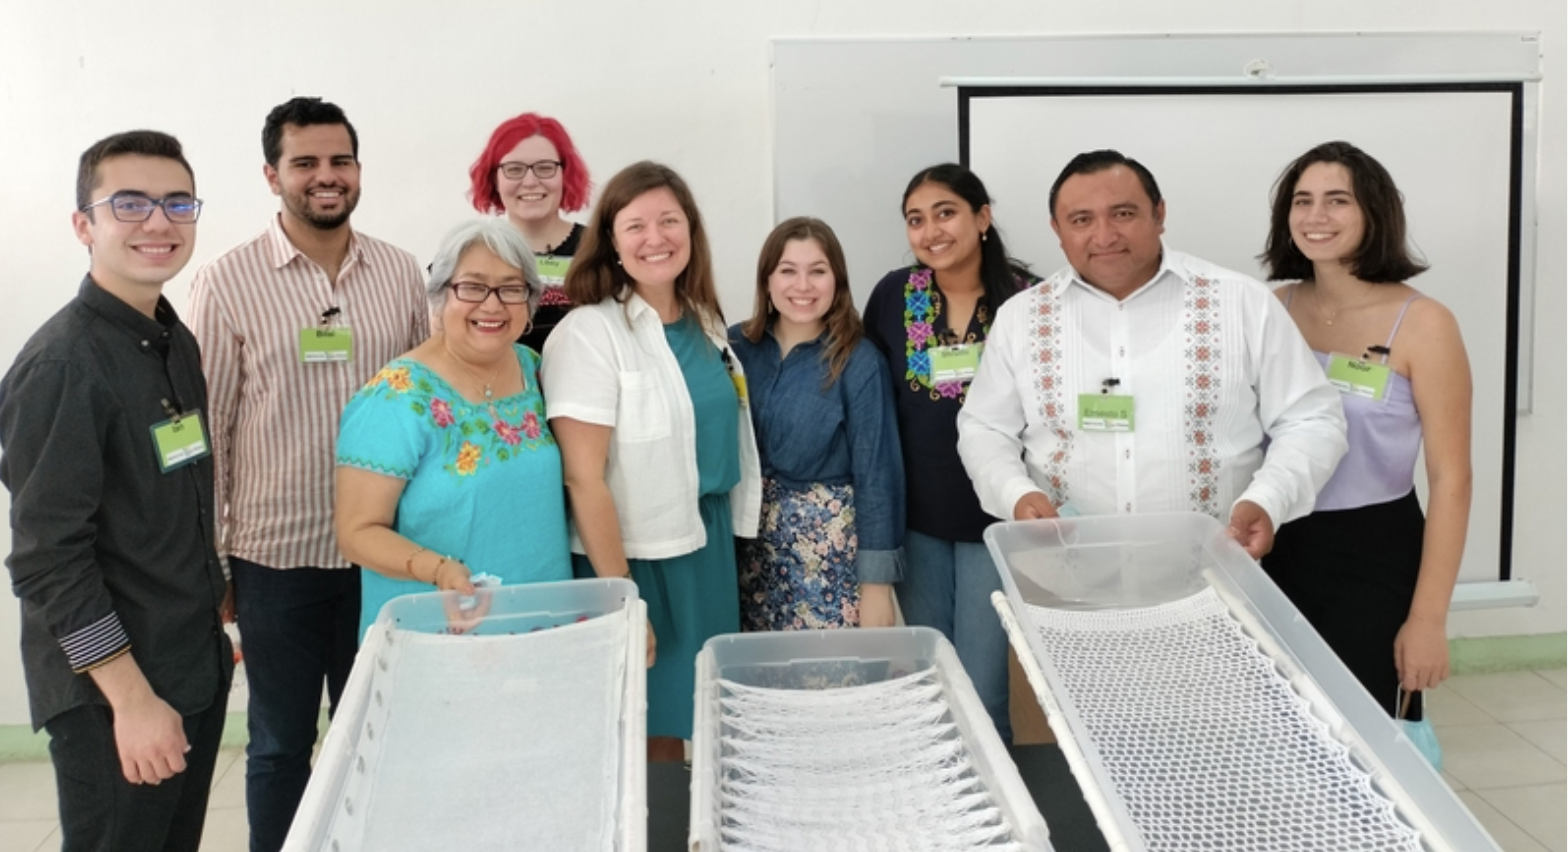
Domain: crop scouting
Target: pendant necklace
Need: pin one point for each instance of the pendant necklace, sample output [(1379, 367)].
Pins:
[(1329, 317), (489, 393)]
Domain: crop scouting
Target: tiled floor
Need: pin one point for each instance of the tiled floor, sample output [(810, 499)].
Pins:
[(1502, 737), (1503, 753)]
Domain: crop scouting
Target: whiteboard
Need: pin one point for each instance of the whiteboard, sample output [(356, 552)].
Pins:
[(855, 118), (1216, 155)]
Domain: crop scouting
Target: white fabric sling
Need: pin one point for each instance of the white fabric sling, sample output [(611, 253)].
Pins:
[(525, 733), (880, 766)]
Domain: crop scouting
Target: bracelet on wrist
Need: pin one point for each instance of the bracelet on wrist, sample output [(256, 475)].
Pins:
[(408, 564)]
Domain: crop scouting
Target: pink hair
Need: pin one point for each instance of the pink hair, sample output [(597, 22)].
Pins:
[(574, 172)]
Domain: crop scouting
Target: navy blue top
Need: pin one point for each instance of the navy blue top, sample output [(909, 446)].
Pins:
[(942, 500), (845, 433)]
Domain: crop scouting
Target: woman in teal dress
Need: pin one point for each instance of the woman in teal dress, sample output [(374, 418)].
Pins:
[(649, 405), (446, 465)]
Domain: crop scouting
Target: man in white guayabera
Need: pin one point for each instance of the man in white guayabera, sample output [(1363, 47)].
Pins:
[(1140, 379)]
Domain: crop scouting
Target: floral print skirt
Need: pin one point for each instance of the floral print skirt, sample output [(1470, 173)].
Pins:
[(799, 572)]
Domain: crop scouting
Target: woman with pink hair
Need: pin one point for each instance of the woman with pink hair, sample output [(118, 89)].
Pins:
[(531, 171)]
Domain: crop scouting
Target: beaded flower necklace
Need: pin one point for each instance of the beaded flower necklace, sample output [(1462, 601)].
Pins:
[(922, 307)]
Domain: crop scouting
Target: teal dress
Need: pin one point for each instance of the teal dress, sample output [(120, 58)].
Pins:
[(482, 480), (694, 597)]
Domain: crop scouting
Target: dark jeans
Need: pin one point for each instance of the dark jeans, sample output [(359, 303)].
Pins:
[(102, 812), (298, 630)]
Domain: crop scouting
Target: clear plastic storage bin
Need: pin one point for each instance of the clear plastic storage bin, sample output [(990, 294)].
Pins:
[(837, 659), (1096, 570), (526, 731)]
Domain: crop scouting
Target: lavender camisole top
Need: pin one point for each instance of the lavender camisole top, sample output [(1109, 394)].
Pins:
[(1384, 437)]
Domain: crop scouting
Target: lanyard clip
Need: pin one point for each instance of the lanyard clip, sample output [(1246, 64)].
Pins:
[(169, 409), (327, 316), (1109, 385)]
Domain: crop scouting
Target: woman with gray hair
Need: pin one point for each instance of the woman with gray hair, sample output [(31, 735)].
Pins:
[(442, 453)]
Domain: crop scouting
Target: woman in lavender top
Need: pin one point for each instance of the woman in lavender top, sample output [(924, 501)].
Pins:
[(1365, 568)]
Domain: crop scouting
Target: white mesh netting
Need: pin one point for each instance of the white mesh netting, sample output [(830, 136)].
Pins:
[(498, 742), (1205, 742), (880, 766)]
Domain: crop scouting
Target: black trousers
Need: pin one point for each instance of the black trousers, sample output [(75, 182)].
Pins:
[(1352, 573), (102, 812)]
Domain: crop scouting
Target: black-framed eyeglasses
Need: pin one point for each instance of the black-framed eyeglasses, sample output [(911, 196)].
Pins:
[(475, 293), (180, 208), (543, 170)]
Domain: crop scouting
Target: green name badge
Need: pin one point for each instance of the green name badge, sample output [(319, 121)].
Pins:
[(1104, 412), (180, 441), (1357, 377), (956, 363), (552, 269), (319, 345)]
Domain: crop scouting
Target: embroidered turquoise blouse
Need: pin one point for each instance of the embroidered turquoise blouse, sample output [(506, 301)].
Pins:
[(483, 480)]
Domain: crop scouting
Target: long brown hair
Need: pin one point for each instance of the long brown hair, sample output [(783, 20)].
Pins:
[(841, 321), (594, 274)]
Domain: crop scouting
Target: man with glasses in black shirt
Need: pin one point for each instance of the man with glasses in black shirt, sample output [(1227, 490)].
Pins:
[(102, 427)]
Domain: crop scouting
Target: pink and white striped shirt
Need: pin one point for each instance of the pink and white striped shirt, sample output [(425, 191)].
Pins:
[(273, 417)]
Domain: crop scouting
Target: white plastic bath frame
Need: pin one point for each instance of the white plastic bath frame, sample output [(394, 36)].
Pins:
[(527, 732), (788, 670), (1098, 571)]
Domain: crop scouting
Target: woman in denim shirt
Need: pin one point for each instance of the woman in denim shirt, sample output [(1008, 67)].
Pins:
[(833, 477)]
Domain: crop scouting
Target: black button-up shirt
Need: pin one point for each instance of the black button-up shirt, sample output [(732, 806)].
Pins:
[(109, 553)]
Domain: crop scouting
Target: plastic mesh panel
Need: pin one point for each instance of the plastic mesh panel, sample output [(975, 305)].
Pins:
[(875, 767), (1206, 744)]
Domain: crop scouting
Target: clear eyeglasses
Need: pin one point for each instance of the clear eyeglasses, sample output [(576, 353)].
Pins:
[(475, 293), (543, 170), (180, 208)]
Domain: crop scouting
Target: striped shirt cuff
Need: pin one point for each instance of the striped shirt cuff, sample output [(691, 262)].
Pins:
[(95, 644)]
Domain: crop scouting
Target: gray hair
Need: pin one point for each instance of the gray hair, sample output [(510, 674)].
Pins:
[(500, 237)]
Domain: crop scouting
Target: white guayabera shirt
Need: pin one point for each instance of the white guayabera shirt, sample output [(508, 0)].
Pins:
[(1216, 370)]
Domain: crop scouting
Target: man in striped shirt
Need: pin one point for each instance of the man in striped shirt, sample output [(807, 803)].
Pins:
[(291, 324)]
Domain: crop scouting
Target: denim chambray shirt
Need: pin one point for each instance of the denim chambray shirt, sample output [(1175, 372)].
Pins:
[(846, 433)]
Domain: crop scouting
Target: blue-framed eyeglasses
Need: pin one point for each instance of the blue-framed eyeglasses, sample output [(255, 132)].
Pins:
[(181, 208)]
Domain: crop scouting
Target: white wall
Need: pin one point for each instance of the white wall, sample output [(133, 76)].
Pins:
[(685, 82)]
